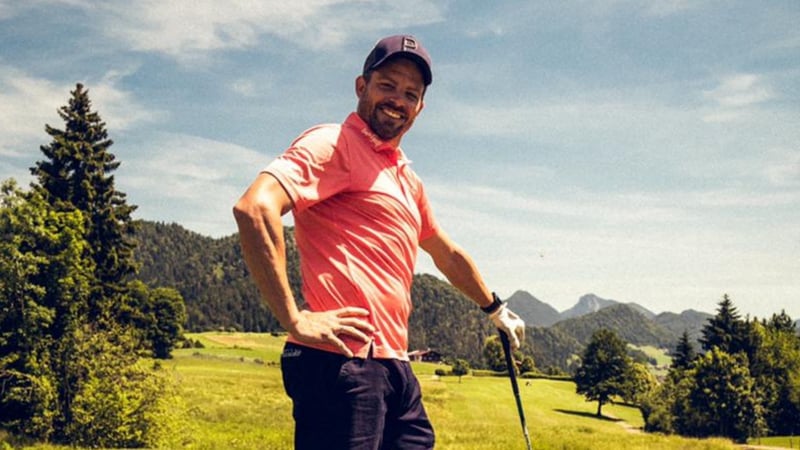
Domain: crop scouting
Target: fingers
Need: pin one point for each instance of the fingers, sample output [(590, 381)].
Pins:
[(514, 341), (355, 328), (351, 311), (520, 331), (333, 339), (511, 324), (330, 327)]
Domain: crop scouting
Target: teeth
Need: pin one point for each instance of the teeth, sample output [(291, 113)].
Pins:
[(392, 114)]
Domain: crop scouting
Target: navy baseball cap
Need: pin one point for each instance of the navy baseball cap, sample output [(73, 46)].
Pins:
[(401, 44)]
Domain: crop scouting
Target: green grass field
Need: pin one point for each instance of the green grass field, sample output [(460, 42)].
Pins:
[(234, 399), (236, 402)]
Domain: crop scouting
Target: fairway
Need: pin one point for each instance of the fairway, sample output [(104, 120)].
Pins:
[(232, 397), (235, 399)]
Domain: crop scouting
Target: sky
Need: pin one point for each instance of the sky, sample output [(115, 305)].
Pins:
[(642, 151)]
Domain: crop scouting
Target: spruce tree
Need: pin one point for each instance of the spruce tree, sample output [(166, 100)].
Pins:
[(684, 353), (782, 323), (77, 174), (726, 331)]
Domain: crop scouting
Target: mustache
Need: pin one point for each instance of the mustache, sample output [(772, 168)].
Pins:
[(394, 106)]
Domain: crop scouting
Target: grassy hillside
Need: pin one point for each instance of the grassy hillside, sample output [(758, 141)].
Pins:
[(234, 399)]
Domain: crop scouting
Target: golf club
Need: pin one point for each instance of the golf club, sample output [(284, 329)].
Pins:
[(513, 375)]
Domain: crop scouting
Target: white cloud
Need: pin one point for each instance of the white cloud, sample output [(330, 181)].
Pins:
[(784, 171), (662, 8), (653, 248), (627, 121), (740, 90), (735, 95), (190, 180), (188, 31), (245, 88), (6, 10), (576, 206), (119, 108), (27, 103)]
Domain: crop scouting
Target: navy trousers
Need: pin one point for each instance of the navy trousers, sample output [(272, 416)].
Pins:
[(342, 403)]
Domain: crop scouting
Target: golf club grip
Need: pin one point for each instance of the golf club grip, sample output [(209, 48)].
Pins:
[(509, 360)]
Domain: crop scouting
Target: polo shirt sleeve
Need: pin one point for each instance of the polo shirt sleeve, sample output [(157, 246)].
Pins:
[(313, 168)]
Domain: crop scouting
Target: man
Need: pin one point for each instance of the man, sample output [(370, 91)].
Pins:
[(360, 215)]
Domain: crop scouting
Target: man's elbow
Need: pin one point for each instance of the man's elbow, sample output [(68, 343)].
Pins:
[(246, 212)]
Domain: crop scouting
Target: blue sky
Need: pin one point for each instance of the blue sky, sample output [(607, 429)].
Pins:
[(646, 152)]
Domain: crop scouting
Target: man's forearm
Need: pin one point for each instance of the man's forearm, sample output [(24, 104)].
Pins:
[(264, 251), (461, 271)]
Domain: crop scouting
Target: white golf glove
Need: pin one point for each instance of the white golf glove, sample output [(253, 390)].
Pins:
[(508, 322)]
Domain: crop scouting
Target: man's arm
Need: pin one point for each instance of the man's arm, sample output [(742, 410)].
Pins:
[(459, 268), (258, 215)]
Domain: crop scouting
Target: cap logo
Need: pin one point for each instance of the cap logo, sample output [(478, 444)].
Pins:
[(409, 43)]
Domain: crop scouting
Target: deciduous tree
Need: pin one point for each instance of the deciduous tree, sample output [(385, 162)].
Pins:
[(604, 365), (723, 400), (460, 368), (43, 290)]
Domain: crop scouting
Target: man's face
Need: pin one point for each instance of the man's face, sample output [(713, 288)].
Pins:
[(391, 99)]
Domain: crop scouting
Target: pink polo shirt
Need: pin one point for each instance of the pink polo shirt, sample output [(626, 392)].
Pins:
[(359, 213)]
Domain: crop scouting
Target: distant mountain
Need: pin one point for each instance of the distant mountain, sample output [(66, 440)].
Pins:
[(645, 312), (211, 276), (533, 311), (630, 324), (587, 304), (591, 303), (690, 320)]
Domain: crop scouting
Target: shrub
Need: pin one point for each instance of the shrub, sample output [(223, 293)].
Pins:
[(122, 403)]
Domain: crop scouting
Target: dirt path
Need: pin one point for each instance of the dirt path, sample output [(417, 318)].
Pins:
[(762, 447), (636, 430)]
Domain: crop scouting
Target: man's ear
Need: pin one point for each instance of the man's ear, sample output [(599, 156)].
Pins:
[(361, 86)]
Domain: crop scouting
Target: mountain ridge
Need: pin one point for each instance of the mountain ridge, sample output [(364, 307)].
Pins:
[(219, 295)]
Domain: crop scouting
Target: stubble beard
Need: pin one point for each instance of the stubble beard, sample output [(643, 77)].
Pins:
[(385, 131), (386, 128)]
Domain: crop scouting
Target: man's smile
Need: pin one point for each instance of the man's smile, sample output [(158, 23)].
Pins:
[(392, 113)]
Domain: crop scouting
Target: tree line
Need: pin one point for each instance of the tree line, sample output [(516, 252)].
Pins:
[(75, 320), (743, 382)]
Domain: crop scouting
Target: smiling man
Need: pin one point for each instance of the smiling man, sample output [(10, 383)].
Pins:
[(360, 215)]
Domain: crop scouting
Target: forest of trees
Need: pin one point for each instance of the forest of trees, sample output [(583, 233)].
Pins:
[(743, 382), (74, 319)]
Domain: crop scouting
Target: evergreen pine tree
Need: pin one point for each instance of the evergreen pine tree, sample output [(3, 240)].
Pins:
[(726, 331), (782, 323), (76, 174), (684, 353)]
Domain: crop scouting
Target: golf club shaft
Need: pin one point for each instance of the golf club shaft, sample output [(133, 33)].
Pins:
[(514, 386)]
